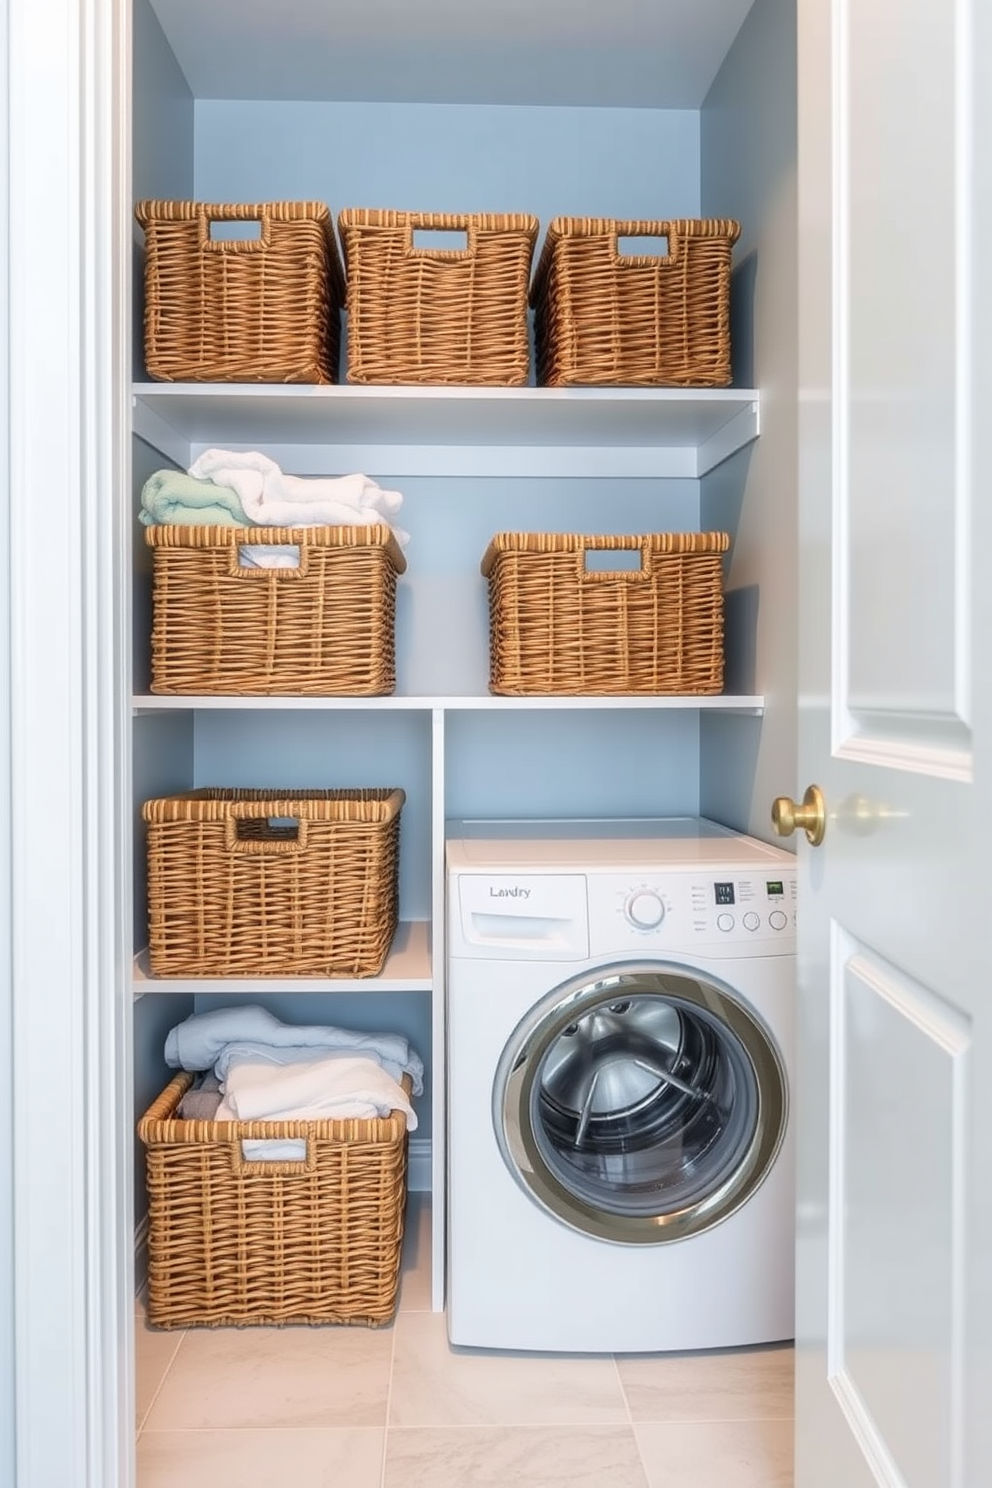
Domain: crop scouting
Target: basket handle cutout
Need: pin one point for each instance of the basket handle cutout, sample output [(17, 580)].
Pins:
[(225, 232), (440, 242), (297, 566), (234, 232), (651, 245), (263, 834), (254, 1167), (615, 563)]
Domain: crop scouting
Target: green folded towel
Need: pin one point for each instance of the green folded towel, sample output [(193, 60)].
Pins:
[(171, 496)]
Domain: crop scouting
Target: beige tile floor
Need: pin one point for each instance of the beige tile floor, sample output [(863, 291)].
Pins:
[(398, 1407)]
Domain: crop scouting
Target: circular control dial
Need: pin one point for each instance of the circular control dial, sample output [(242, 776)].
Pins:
[(777, 920), (644, 909)]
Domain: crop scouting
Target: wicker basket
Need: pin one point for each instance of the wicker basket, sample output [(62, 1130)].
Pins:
[(266, 883), (559, 626), (233, 1242), (265, 309), (325, 628), (437, 315), (606, 318)]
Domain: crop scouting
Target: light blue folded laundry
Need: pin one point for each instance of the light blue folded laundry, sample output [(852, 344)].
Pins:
[(212, 1040), (171, 496)]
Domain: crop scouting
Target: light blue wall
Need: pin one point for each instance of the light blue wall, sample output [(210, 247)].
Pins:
[(748, 165), (451, 158), (573, 764), (162, 113)]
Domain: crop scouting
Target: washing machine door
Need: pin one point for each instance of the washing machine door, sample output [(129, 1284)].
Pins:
[(640, 1107)]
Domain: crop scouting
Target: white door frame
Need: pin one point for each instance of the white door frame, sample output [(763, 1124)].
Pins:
[(893, 956), (66, 455)]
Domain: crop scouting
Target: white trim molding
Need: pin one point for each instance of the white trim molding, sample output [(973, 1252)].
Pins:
[(7, 1390), (67, 268)]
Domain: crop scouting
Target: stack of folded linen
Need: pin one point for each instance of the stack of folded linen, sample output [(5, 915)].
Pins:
[(223, 488), (264, 1070)]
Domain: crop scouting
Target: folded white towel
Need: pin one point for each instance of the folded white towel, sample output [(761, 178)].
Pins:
[(329, 1088), (271, 498), (212, 1040)]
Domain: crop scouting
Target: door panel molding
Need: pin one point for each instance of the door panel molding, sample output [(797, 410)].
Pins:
[(897, 1210), (950, 759), (866, 1433), (901, 394)]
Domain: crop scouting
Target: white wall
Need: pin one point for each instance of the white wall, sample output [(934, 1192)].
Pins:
[(748, 166)]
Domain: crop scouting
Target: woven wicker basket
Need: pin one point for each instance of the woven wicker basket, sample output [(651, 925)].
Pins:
[(559, 626), (265, 309), (325, 628), (233, 1242), (266, 883), (603, 317), (437, 315)]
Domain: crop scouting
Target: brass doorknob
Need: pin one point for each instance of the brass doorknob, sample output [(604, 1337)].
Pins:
[(810, 817)]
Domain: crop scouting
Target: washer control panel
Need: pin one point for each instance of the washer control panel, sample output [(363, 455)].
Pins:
[(725, 912)]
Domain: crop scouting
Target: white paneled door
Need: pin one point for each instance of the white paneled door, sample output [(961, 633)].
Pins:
[(893, 1091)]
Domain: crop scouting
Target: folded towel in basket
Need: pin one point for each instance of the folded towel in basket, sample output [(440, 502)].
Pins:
[(334, 1087), (170, 497), (210, 1040), (271, 498)]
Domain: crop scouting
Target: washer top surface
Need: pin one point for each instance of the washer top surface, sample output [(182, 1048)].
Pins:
[(621, 844)]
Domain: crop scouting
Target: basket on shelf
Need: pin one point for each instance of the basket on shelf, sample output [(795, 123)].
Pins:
[(325, 627), (558, 625), (604, 317), (437, 315), (263, 308), (267, 882), (235, 1242)]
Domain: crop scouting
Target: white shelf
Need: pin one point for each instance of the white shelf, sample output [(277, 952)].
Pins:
[(407, 969), (145, 703), (594, 433)]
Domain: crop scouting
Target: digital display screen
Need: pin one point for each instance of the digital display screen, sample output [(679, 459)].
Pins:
[(775, 889), (724, 893)]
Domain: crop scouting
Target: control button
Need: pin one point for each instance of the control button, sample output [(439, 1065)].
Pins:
[(751, 921), (778, 920), (644, 909), (725, 922)]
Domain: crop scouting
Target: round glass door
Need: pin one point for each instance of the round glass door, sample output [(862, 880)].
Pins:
[(641, 1107)]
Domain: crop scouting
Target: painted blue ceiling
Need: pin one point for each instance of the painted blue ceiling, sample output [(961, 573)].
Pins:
[(607, 53)]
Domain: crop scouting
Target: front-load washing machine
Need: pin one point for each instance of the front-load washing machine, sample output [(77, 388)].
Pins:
[(620, 1002)]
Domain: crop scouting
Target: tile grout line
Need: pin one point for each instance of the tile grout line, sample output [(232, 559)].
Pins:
[(389, 1399), (623, 1392), (140, 1425), (632, 1424)]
